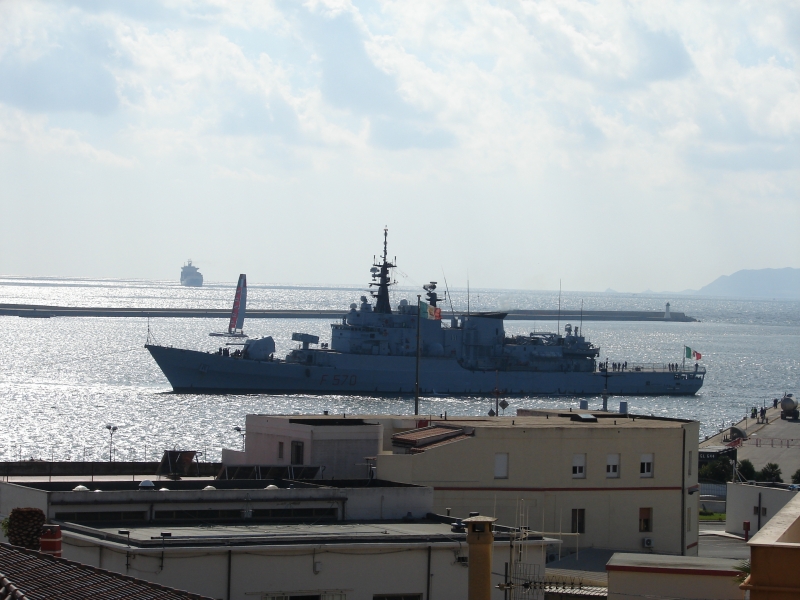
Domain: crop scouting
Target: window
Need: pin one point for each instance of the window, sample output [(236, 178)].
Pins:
[(763, 511), (646, 519), (612, 466), (280, 449), (690, 462), (646, 466), (297, 453), (579, 466), (501, 465), (578, 520)]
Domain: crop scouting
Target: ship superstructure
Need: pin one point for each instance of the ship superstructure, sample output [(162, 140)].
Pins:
[(191, 275), (373, 350)]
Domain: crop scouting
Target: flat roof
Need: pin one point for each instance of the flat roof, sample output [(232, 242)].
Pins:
[(531, 417), (348, 532), (121, 485), (678, 565)]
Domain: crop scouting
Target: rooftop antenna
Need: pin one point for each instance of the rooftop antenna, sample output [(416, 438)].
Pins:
[(581, 314), (449, 298)]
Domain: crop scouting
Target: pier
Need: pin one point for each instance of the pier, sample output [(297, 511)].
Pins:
[(44, 311)]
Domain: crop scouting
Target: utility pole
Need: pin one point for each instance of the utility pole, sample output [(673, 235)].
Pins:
[(416, 382)]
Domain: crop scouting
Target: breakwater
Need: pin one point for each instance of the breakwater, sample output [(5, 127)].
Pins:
[(43, 311)]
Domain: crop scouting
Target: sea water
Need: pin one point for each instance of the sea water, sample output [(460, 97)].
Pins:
[(64, 379)]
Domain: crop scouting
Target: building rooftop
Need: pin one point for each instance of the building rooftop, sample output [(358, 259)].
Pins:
[(25, 574), (525, 417), (663, 563), (193, 535)]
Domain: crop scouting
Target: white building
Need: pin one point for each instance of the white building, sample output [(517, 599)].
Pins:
[(273, 539), (623, 482)]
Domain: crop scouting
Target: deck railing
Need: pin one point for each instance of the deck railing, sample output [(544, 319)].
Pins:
[(652, 368)]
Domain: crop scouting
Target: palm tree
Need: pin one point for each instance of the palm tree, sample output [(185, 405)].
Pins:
[(744, 571)]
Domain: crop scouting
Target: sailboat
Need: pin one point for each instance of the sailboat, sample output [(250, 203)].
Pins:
[(238, 312)]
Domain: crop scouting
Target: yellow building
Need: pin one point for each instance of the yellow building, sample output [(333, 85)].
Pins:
[(775, 555), (622, 482)]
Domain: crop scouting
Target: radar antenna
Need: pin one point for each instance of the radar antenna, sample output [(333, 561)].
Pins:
[(432, 296), (380, 272)]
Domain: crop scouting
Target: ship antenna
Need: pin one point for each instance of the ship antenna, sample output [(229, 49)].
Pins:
[(448, 294), (467, 294), (558, 328), (581, 314)]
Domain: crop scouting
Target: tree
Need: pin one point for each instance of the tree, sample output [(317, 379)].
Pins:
[(746, 470), (719, 470), (796, 476), (772, 472)]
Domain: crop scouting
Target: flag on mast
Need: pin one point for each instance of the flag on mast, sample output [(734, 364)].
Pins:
[(426, 311), (692, 353)]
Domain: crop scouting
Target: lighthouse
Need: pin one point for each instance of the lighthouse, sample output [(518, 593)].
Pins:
[(666, 313)]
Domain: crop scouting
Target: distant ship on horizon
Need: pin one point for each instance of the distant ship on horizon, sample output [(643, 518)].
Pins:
[(191, 275)]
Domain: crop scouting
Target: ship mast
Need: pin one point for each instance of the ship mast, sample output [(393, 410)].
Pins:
[(380, 271)]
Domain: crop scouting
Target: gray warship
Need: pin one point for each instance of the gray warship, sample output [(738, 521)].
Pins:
[(191, 275), (373, 350)]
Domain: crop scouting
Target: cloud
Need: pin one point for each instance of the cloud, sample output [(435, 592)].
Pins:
[(254, 114), (350, 80), (71, 75), (35, 134), (661, 55)]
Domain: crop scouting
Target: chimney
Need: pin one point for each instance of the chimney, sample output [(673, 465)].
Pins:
[(481, 545), (51, 540)]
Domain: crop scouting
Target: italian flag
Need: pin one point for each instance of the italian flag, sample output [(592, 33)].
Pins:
[(426, 311), (692, 354)]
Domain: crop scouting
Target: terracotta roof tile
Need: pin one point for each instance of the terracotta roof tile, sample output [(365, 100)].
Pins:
[(29, 575)]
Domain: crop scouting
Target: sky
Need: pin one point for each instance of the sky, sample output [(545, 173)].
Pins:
[(608, 144)]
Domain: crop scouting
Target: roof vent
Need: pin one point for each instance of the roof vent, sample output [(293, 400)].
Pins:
[(583, 418), (458, 527), (272, 486), (80, 488), (209, 488), (146, 485)]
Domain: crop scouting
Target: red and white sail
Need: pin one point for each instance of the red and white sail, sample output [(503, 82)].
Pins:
[(239, 306)]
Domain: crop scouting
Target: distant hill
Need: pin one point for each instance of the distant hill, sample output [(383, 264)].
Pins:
[(756, 283)]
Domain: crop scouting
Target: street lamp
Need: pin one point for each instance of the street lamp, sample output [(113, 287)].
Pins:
[(112, 430), (242, 433)]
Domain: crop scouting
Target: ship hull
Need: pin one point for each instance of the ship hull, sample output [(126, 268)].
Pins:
[(191, 371), (192, 281)]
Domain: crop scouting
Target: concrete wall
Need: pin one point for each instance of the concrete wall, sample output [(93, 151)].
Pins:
[(540, 474), (358, 570), (388, 503), (356, 503), (742, 500), (774, 556), (624, 585), (340, 449)]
